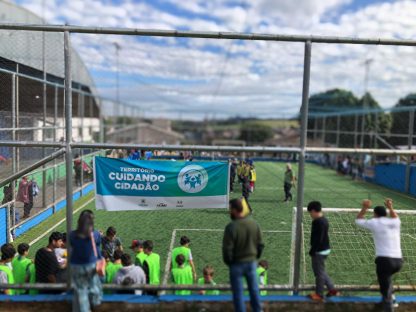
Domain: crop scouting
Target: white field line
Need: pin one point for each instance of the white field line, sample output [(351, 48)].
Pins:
[(59, 223), (172, 243), (411, 236), (222, 230), (399, 211), (169, 258)]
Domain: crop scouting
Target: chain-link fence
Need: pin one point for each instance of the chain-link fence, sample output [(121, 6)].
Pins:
[(51, 107)]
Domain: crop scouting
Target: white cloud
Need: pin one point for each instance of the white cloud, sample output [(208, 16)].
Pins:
[(259, 78)]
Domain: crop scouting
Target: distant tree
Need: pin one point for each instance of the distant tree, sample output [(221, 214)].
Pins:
[(380, 122), (253, 132), (333, 101), (400, 119), (339, 101)]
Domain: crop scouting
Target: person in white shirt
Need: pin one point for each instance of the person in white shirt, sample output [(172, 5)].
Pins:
[(386, 235)]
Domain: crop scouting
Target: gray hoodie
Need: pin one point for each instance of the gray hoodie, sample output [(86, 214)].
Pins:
[(136, 273)]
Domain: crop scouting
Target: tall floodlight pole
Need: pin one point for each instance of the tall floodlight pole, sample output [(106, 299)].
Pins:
[(367, 64), (118, 48)]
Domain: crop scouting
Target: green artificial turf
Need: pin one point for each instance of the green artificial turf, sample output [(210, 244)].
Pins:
[(351, 261)]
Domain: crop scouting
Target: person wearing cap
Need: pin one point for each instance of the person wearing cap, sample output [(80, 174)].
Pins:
[(386, 235), (137, 247), (184, 250)]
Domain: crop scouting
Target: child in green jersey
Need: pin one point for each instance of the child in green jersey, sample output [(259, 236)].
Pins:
[(182, 275), (151, 266), (208, 279), (21, 267), (112, 268), (185, 250), (137, 247), (6, 273), (261, 273)]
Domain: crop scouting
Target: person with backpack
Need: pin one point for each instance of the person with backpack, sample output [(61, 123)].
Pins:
[(23, 196)]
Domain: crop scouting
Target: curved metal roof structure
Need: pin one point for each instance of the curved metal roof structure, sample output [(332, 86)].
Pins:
[(27, 47)]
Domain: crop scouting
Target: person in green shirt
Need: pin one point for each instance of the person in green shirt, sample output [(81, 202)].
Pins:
[(112, 268), (261, 273), (186, 252), (20, 265), (137, 247), (208, 279), (289, 181), (151, 266), (6, 273), (182, 275)]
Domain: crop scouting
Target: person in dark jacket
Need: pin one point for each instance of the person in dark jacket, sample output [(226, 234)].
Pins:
[(320, 249), (241, 248)]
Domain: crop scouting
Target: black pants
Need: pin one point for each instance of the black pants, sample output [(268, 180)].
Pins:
[(287, 187), (385, 268), (27, 207), (322, 278)]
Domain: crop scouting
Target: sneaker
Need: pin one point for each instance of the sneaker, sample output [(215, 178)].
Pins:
[(395, 303), (316, 297), (333, 293)]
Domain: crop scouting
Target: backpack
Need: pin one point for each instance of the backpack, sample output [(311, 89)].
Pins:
[(35, 189)]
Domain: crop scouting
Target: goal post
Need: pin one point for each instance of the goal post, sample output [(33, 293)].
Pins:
[(351, 262)]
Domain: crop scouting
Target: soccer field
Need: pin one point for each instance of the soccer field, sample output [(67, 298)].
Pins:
[(351, 261)]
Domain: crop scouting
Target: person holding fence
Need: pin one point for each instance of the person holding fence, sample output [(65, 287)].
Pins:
[(386, 235), (84, 259)]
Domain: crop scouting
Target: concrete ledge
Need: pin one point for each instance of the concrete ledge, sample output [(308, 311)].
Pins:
[(198, 303)]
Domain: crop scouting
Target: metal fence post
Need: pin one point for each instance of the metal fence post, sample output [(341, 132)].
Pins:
[(324, 130), (17, 123), (338, 130), (301, 169), (68, 139), (362, 130), (55, 119), (409, 145), (44, 182), (355, 129), (81, 133), (315, 131), (375, 130), (101, 120), (14, 164)]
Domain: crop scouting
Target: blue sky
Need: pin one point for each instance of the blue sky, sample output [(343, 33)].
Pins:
[(197, 78)]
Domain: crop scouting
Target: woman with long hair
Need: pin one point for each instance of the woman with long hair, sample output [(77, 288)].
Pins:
[(85, 243)]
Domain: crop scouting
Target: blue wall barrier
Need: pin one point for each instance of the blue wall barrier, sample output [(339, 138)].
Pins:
[(393, 176), (3, 225), (38, 218)]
